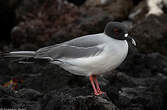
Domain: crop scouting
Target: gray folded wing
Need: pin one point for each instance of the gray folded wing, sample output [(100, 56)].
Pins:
[(66, 51), (86, 41), (77, 48)]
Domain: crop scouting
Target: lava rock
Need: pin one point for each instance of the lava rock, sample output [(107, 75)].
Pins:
[(77, 2), (96, 2), (48, 76), (142, 65), (119, 9), (65, 101), (136, 2), (44, 27), (146, 8), (29, 94), (27, 7), (6, 91), (163, 85), (38, 21), (138, 13), (164, 7), (132, 93), (150, 34), (7, 20), (10, 99)]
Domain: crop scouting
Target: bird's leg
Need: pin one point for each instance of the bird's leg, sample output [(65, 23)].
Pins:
[(97, 85), (93, 85)]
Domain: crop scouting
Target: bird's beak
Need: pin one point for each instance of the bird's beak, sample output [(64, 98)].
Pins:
[(133, 41), (128, 38)]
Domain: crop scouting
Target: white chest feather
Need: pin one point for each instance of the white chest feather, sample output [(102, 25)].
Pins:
[(117, 52)]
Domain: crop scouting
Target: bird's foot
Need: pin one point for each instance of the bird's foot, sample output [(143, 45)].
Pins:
[(99, 92), (96, 93)]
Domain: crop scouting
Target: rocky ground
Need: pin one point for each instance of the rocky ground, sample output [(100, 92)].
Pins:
[(138, 84)]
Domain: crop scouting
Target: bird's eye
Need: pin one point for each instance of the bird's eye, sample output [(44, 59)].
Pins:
[(116, 31)]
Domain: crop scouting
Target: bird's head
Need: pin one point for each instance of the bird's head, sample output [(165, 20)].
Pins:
[(118, 31)]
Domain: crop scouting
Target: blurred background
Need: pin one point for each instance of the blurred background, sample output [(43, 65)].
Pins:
[(140, 83)]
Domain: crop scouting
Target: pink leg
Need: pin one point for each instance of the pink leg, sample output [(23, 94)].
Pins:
[(93, 85), (97, 85)]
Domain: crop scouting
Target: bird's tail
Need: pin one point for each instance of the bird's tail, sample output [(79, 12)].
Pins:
[(22, 54), (24, 57)]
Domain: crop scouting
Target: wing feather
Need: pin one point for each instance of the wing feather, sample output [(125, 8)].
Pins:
[(85, 46), (66, 51)]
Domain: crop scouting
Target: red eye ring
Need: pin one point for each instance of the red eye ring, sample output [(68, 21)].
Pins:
[(116, 30)]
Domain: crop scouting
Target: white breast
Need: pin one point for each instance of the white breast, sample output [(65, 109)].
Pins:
[(117, 52)]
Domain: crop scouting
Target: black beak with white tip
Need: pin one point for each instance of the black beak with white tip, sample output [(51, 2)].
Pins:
[(128, 38)]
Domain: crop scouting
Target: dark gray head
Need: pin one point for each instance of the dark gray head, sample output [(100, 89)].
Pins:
[(118, 31)]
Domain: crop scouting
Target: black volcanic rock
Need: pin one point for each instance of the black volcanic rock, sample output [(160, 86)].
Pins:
[(27, 7), (7, 20), (136, 1), (39, 20), (66, 101), (10, 99), (138, 13), (43, 23), (135, 93), (119, 9), (30, 94), (77, 2), (151, 34), (144, 65)]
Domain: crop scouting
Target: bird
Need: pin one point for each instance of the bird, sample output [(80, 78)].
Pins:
[(88, 55)]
